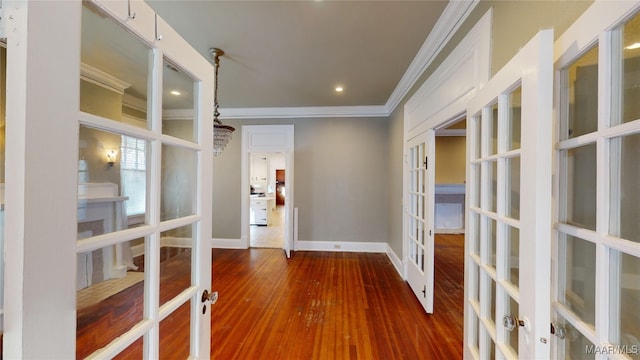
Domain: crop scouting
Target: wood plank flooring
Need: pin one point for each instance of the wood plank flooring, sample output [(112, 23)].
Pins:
[(323, 305)]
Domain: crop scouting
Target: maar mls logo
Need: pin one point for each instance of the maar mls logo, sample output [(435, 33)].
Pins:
[(612, 349)]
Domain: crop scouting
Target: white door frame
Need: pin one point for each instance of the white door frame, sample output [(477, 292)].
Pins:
[(434, 104), (267, 139), (41, 202)]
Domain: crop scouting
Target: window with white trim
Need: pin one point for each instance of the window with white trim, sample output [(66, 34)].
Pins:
[(133, 174)]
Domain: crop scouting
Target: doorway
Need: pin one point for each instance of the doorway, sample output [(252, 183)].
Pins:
[(267, 184), (261, 144)]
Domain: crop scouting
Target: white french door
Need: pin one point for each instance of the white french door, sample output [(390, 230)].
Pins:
[(145, 176), (80, 122), (509, 200), (597, 234), (419, 217)]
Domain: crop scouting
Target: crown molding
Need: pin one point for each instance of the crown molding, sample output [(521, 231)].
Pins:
[(304, 112), (98, 77), (449, 22)]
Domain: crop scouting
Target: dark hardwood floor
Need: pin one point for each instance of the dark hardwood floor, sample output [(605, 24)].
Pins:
[(319, 305)]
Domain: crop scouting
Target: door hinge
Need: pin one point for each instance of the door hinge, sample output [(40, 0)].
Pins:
[(424, 291), (426, 162)]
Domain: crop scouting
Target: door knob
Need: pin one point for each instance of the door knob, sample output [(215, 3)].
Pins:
[(558, 331), (511, 322), (209, 296)]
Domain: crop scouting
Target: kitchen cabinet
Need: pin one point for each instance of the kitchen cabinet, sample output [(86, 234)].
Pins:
[(259, 171), (261, 209)]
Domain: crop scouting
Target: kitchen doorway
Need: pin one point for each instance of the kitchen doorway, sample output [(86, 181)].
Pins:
[(267, 183), (260, 143)]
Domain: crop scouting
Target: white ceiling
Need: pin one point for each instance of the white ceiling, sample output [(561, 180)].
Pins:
[(292, 54)]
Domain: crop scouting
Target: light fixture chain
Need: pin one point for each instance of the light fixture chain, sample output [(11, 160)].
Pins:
[(216, 65)]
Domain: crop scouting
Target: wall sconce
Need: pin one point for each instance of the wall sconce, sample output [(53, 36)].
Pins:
[(111, 157)]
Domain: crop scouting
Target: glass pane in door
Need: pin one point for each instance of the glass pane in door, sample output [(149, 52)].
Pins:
[(513, 274), (512, 208), (110, 296), (625, 285), (581, 109), (514, 120), (490, 195), (630, 82), (112, 181), (626, 178), (175, 261), (178, 102), (579, 267), (575, 344), (474, 238), (114, 70), (491, 243), (178, 182), (490, 124), (512, 336), (580, 181), (175, 344)]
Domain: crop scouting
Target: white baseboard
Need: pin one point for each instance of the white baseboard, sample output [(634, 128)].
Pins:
[(345, 246), (228, 243), (171, 241), (395, 260), (336, 246), (167, 241)]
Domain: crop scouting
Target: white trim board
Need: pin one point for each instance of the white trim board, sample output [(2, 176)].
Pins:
[(395, 261), (228, 243), (446, 93)]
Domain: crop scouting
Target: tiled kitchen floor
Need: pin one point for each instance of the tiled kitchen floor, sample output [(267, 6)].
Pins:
[(271, 236)]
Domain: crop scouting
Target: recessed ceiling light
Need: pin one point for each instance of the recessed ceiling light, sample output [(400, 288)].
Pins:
[(339, 89), (175, 92), (633, 46)]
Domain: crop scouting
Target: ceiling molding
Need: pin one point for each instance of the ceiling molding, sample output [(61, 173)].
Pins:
[(177, 114), (304, 112), (449, 22), (98, 77)]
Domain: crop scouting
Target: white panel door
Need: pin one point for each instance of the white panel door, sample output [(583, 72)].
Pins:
[(509, 221), (419, 217)]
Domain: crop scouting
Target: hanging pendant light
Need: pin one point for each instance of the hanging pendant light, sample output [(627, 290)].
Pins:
[(221, 133)]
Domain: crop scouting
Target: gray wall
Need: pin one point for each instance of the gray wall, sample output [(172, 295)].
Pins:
[(340, 179), (514, 24), (348, 172)]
